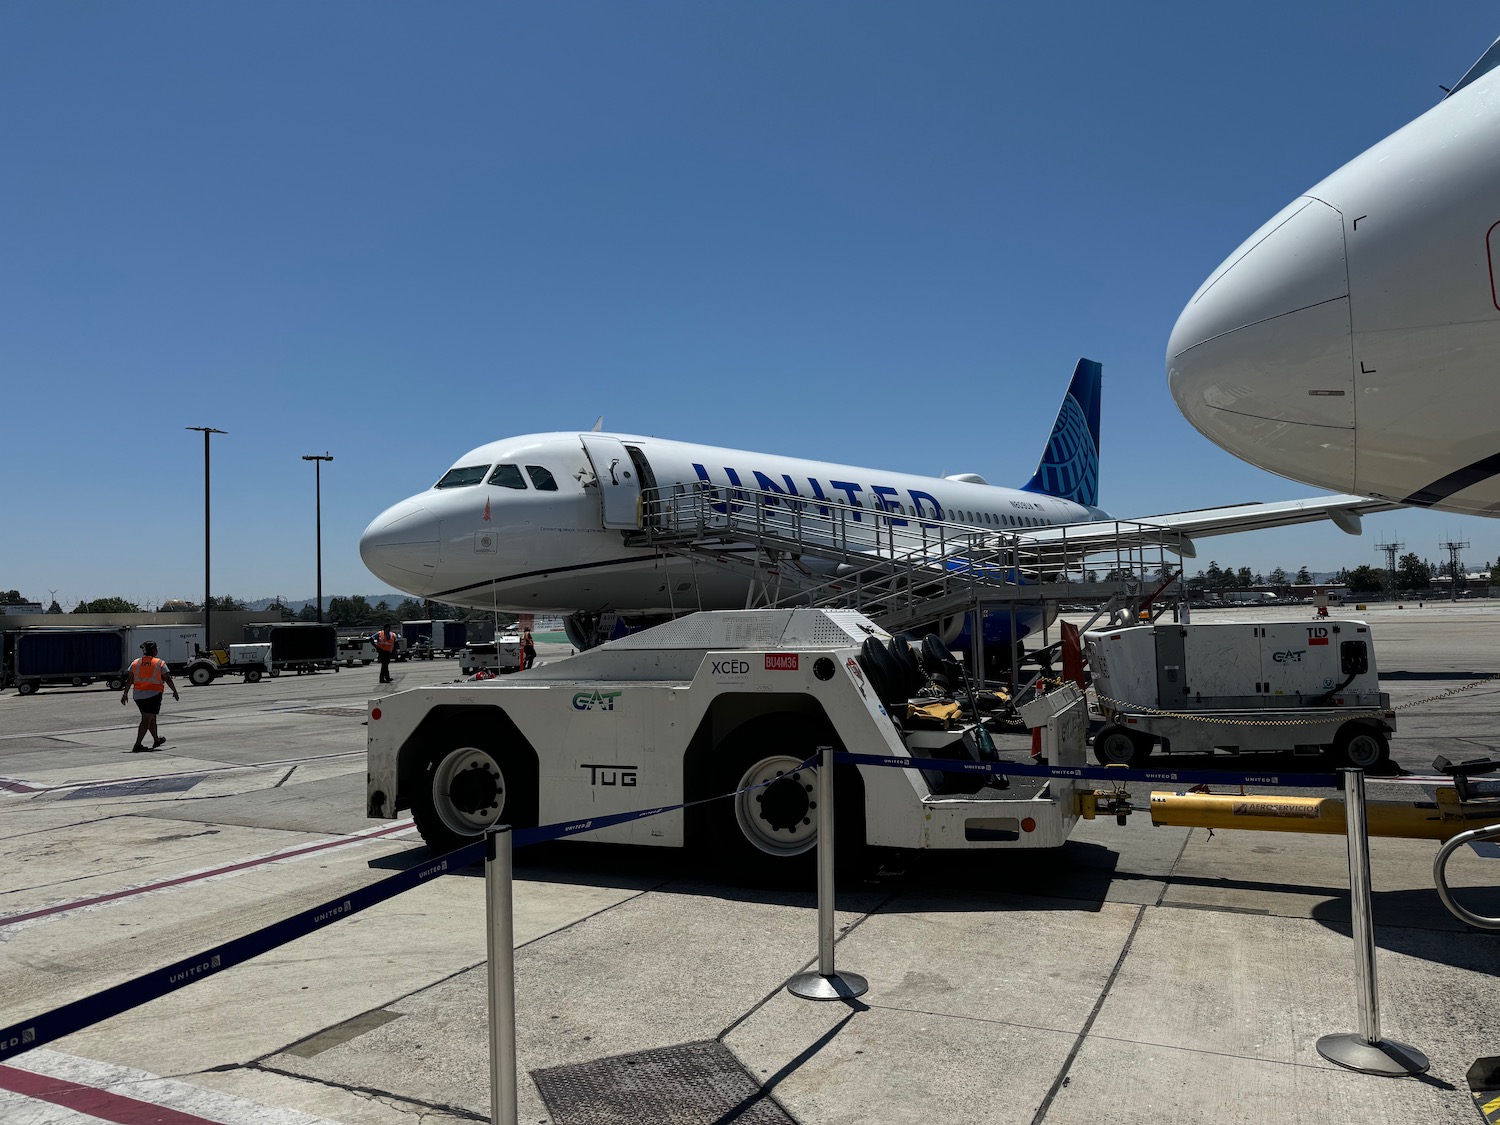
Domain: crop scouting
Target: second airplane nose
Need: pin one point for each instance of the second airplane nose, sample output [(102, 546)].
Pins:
[(1261, 357), (401, 546)]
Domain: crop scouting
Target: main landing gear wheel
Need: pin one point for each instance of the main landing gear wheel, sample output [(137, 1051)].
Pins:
[(1360, 746), (1116, 746)]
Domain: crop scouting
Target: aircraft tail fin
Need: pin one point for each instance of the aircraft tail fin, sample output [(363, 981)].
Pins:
[(1069, 468)]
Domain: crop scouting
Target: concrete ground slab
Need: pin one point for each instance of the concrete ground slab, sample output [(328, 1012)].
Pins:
[(850, 1065), (660, 969), (1126, 1082), (1268, 988)]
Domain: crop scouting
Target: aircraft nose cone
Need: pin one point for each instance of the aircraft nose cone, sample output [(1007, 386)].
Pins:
[(1260, 360), (401, 546)]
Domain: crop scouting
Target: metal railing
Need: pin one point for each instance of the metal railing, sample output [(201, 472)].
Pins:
[(1440, 876), (894, 563)]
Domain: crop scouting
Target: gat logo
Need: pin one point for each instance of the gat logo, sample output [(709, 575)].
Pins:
[(595, 700), (731, 667), (1290, 656), (623, 776)]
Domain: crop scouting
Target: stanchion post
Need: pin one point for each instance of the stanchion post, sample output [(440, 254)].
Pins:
[(827, 983), (500, 926), (1365, 1050)]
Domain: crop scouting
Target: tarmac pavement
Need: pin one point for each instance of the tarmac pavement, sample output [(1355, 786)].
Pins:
[(1137, 974)]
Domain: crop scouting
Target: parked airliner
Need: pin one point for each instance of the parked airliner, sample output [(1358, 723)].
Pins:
[(540, 523), (1352, 342)]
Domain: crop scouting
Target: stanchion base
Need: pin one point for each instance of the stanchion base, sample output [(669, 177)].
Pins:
[(839, 986), (1387, 1057)]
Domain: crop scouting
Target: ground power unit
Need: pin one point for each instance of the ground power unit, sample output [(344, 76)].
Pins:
[(1308, 686)]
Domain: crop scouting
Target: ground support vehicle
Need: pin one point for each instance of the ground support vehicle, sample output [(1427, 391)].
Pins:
[(1306, 686), (75, 657), (503, 654), (356, 650), (249, 660), (707, 705)]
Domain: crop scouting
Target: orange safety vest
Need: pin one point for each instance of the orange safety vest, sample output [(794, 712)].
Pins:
[(385, 641), (145, 675)]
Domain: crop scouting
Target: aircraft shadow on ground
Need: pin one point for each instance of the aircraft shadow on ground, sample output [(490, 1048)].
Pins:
[(1076, 877), (1416, 923)]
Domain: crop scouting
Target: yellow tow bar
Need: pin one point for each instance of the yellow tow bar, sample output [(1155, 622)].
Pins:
[(1410, 820)]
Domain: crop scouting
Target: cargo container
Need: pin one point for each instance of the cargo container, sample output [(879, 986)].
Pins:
[(448, 637), (178, 645), (71, 656)]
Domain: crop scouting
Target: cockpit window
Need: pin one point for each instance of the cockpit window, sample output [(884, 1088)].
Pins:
[(507, 476), (541, 478), (462, 477)]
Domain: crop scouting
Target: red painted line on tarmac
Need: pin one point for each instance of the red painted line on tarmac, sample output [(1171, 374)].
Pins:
[(9, 786), (93, 1101), (243, 865)]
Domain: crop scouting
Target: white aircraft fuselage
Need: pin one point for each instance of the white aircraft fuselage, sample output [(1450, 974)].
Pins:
[(1352, 341), (560, 550)]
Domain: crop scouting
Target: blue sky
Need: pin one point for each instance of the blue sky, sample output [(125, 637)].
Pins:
[(869, 232)]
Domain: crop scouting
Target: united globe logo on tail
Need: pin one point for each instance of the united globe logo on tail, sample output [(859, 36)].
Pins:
[(1069, 468)]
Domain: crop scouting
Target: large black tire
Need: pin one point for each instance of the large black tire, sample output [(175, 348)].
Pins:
[(1362, 746), (116, 684), (28, 687), (252, 676), (1117, 746), (200, 675), (770, 833), (467, 786)]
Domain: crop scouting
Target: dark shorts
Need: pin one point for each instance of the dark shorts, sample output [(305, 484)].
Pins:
[(150, 704)]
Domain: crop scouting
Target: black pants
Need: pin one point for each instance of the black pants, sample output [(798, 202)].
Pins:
[(385, 668)]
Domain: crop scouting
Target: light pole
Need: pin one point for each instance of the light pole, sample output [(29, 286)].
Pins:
[(317, 460), (207, 432)]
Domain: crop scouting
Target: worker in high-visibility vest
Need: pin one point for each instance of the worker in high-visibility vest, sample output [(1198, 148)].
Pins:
[(148, 678), (385, 644)]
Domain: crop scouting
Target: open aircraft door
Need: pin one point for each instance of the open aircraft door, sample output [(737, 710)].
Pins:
[(615, 473)]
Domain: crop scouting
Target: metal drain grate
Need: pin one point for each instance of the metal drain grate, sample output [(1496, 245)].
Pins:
[(689, 1084), (137, 788)]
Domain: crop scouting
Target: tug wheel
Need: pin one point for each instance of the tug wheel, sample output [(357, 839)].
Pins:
[(462, 790), (770, 831)]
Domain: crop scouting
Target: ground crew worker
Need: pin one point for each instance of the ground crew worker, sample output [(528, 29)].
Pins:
[(385, 644), (147, 676), (528, 649)]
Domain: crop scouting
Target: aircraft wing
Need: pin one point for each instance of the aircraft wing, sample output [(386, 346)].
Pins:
[(1177, 530)]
